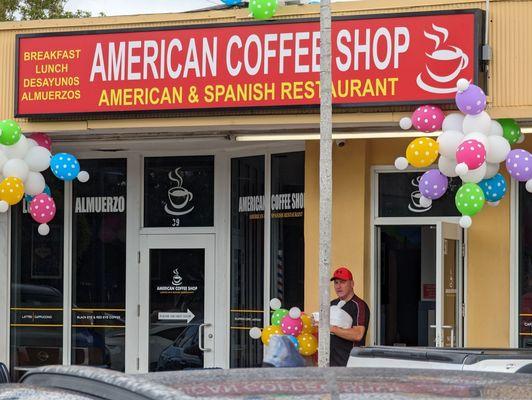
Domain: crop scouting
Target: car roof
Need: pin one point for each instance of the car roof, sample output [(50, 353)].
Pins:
[(23, 392), (300, 383)]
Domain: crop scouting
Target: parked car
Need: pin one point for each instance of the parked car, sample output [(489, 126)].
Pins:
[(290, 383), (27, 392), (459, 359)]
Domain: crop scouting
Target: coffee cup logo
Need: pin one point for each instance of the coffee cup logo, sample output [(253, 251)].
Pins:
[(179, 197), (415, 198), (177, 279), (444, 64)]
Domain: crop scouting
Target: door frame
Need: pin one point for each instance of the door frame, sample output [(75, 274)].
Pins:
[(374, 272), (191, 241)]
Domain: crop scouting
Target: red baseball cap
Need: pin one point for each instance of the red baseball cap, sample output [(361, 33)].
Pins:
[(342, 273)]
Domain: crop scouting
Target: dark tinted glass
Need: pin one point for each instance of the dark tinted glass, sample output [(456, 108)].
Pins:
[(399, 197), (247, 259), (36, 286), (179, 191), (99, 264), (287, 229), (177, 291), (525, 267)]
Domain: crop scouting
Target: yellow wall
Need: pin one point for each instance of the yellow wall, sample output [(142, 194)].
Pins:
[(488, 253)]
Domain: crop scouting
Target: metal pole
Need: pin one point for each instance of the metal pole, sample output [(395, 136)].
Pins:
[(325, 181)]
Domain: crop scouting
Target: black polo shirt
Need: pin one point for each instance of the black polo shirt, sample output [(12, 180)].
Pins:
[(341, 348)]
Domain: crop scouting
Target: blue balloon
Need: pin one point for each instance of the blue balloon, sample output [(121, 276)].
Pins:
[(46, 190), (494, 188), (231, 2), (65, 166), (294, 340)]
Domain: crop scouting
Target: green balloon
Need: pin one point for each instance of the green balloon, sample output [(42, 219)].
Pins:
[(469, 199), (262, 9), (278, 315), (510, 130), (10, 132)]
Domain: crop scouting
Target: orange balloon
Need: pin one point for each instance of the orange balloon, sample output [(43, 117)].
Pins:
[(308, 344), (307, 323), (422, 152), (11, 190), (269, 331)]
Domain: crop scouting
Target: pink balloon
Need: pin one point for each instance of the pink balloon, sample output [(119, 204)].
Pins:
[(42, 140), (42, 208), (428, 118), (291, 326), (472, 153)]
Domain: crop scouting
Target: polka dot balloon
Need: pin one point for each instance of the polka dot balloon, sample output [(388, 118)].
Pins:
[(262, 9), (65, 166), (10, 132), (42, 139), (494, 188), (294, 340), (428, 118), (278, 316), (291, 326), (268, 332), (469, 199), (308, 344), (42, 208), (519, 165), (422, 152), (11, 190), (471, 101), (231, 2), (433, 184), (307, 323), (472, 153), (510, 130)]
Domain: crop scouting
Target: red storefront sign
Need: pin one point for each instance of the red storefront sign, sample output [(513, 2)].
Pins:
[(377, 60)]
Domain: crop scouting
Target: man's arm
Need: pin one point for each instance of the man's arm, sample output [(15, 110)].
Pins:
[(353, 334)]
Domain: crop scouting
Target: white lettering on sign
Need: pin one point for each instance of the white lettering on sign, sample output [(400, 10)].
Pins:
[(115, 204), (279, 202)]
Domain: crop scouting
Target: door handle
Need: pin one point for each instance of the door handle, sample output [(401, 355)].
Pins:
[(201, 339)]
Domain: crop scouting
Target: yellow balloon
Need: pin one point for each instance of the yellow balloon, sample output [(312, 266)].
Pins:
[(307, 323), (11, 190), (269, 331), (422, 152), (308, 344)]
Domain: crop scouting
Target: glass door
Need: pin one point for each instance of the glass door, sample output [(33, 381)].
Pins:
[(177, 302), (449, 315)]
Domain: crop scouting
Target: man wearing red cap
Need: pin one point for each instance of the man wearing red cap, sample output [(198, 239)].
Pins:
[(344, 339)]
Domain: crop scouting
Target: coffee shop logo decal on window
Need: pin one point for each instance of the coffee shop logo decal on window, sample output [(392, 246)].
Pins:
[(443, 66), (415, 198), (179, 197), (177, 279)]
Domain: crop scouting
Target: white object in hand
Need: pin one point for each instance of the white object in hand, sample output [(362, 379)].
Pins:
[(340, 317)]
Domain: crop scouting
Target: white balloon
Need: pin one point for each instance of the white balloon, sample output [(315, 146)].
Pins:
[(275, 304), (294, 313), (16, 168), (405, 123), (497, 150), (3, 159), (448, 142), (493, 203), (479, 137), (475, 175), (4, 206), (462, 169), (425, 202), (495, 129), (32, 143), (34, 184), (255, 333), (447, 166), (521, 139), (18, 150), (83, 176), (477, 123), (401, 163), (528, 186), (38, 159), (43, 229), (462, 84), (466, 221), (491, 170), (453, 122)]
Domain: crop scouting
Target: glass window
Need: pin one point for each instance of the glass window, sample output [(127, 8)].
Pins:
[(525, 267), (179, 191), (36, 287), (99, 265), (247, 259), (287, 229), (399, 196)]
